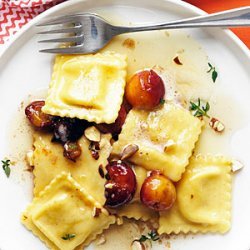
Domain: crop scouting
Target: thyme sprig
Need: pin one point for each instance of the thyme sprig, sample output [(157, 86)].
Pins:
[(153, 236), (68, 236), (6, 167), (214, 72), (198, 109)]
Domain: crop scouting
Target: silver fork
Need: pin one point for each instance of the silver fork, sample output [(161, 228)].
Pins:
[(88, 33)]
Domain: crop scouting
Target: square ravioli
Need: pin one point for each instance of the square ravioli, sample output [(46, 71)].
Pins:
[(203, 198), (63, 215), (166, 138), (89, 87), (49, 161)]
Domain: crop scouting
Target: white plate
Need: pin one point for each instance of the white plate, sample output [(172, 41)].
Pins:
[(23, 69)]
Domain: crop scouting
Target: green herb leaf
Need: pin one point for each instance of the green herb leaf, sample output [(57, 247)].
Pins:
[(193, 106), (143, 238), (214, 72), (207, 107), (198, 109), (153, 235), (210, 67), (214, 75), (199, 101), (5, 166), (162, 101), (68, 236)]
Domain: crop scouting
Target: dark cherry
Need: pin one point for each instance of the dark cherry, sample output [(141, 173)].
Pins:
[(68, 129), (115, 128), (72, 150), (36, 117), (120, 186)]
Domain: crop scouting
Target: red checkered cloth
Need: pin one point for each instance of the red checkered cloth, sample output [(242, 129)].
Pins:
[(16, 13)]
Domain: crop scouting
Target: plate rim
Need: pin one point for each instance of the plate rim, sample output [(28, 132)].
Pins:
[(6, 47), (22, 32)]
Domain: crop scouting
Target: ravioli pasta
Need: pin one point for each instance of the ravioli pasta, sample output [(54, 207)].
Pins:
[(203, 198), (88, 87), (151, 131), (62, 208), (49, 162)]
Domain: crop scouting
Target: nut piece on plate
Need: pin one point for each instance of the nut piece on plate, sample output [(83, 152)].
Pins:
[(100, 240), (136, 245), (30, 158), (236, 165), (216, 125), (128, 151), (96, 212), (119, 221), (92, 134)]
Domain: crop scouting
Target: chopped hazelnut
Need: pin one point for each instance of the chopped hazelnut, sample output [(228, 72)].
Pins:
[(29, 158), (177, 60), (236, 165), (96, 212), (129, 151), (92, 134), (119, 221), (101, 240), (216, 125), (136, 245)]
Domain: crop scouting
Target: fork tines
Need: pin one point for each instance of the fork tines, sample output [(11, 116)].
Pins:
[(69, 25)]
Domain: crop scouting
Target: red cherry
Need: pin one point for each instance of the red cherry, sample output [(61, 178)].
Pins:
[(158, 192), (36, 117), (145, 90), (121, 184)]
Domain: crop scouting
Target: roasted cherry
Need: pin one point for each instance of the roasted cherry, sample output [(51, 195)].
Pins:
[(145, 90), (121, 184), (72, 150), (115, 128), (36, 117), (158, 192), (68, 129)]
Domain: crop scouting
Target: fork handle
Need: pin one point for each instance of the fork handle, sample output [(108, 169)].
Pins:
[(229, 18)]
